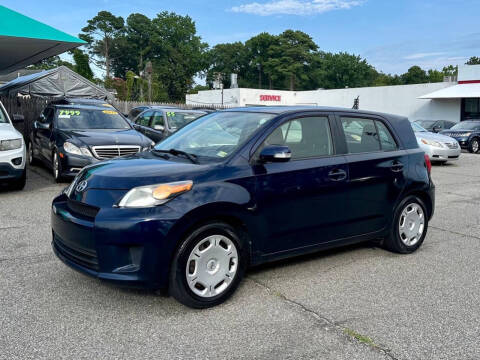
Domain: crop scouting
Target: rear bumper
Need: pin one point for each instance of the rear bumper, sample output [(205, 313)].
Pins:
[(115, 245)]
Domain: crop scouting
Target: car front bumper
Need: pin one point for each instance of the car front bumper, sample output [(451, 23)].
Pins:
[(12, 163), (72, 164), (129, 247), (442, 154)]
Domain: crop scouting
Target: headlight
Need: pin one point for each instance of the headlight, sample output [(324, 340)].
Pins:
[(74, 149), (153, 195), (432, 143), (10, 144)]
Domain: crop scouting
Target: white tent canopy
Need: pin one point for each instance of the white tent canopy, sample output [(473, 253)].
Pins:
[(455, 92)]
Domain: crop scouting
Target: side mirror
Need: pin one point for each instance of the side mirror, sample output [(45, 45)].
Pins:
[(41, 126), (275, 153), (18, 118), (159, 127), (125, 114), (436, 129)]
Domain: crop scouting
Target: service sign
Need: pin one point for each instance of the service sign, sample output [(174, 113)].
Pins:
[(277, 98)]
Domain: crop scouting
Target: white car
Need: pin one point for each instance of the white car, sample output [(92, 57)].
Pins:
[(12, 152), (439, 148)]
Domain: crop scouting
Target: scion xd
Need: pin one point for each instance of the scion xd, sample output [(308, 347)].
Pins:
[(241, 187)]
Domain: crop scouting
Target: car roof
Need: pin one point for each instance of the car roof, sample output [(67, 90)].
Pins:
[(81, 101), (84, 107), (279, 110)]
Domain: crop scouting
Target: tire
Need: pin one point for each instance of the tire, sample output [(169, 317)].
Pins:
[(474, 146), (402, 240), (31, 156), (19, 184), (206, 260), (56, 168)]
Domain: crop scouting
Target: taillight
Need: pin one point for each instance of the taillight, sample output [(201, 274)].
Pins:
[(428, 163)]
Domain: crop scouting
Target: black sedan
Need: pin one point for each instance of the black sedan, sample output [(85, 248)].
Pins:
[(158, 123), (69, 137), (467, 133), (435, 126)]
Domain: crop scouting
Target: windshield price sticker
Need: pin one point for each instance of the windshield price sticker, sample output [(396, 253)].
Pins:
[(110, 112), (64, 113), (170, 113)]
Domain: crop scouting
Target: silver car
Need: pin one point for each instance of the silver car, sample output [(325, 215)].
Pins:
[(439, 148)]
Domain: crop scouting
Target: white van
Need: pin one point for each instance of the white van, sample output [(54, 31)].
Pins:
[(12, 152)]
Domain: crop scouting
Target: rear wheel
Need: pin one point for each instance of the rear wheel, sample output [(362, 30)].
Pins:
[(474, 146), (208, 266), (409, 226)]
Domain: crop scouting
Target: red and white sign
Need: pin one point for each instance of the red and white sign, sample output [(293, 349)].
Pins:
[(277, 98)]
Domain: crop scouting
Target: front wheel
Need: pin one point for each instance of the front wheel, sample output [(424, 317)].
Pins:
[(409, 227), (474, 146), (208, 266), (56, 168)]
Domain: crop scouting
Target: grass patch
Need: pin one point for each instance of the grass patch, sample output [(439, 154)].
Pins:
[(362, 338)]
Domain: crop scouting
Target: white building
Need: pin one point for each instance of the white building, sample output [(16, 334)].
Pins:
[(455, 101)]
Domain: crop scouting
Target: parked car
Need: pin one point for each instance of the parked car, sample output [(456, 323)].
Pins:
[(439, 148), (68, 137), (82, 101), (435, 126), (12, 152), (158, 123), (467, 133), (194, 212), (139, 109)]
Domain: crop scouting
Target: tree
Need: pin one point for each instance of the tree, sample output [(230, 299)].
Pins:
[(100, 34), (256, 49), (415, 75), (291, 57), (473, 61), (336, 71), (82, 65), (435, 76), (177, 53), (450, 70), (50, 63), (226, 59)]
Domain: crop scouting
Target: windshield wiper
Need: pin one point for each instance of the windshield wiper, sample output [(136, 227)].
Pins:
[(175, 152)]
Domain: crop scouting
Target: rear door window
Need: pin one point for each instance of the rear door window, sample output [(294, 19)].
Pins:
[(361, 135), (386, 139)]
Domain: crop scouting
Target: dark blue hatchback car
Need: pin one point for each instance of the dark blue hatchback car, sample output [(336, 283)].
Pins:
[(242, 187)]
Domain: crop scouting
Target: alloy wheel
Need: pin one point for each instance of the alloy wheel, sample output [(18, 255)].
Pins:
[(212, 266), (475, 146), (411, 224)]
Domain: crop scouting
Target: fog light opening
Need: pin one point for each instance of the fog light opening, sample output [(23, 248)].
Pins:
[(17, 161)]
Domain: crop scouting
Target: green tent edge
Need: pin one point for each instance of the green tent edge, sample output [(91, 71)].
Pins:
[(14, 24)]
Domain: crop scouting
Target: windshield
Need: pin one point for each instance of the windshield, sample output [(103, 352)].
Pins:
[(467, 125), (76, 119), (216, 135), (3, 117), (425, 123), (417, 128), (178, 119)]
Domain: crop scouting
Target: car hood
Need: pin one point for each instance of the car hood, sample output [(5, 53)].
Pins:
[(144, 168), (8, 132), (107, 137), (453, 132), (433, 136)]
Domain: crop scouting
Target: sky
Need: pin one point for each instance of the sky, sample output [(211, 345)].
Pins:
[(392, 35)]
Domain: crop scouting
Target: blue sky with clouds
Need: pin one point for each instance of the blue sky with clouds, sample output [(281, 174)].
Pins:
[(392, 34)]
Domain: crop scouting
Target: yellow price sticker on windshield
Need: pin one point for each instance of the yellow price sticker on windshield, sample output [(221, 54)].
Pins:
[(69, 112), (110, 112)]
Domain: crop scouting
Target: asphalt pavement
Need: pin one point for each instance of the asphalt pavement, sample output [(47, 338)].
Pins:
[(359, 302)]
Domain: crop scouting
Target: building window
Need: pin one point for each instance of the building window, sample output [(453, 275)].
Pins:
[(471, 109)]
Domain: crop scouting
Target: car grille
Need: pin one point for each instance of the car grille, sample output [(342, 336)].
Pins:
[(84, 257), (452, 145), (113, 151), (82, 210)]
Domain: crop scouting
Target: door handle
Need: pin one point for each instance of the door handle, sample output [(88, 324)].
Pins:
[(337, 175), (397, 166)]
